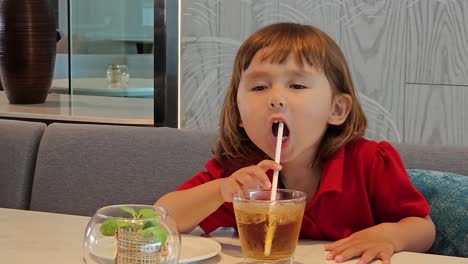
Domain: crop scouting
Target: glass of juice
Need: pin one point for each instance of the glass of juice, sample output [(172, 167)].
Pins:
[(269, 230)]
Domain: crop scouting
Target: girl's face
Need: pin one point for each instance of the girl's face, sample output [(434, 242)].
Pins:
[(300, 97)]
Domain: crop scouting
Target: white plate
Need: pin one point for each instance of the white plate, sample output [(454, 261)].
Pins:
[(196, 248), (193, 248)]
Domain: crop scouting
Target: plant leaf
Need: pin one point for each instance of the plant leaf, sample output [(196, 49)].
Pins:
[(150, 223), (158, 232), (146, 213), (130, 211), (109, 226)]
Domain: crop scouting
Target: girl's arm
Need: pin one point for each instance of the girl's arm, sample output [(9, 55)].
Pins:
[(189, 207), (381, 241), (414, 234)]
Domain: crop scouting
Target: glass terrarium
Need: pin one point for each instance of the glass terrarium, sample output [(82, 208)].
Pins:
[(124, 234)]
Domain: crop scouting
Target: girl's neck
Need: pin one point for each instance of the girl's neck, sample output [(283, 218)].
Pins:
[(305, 178)]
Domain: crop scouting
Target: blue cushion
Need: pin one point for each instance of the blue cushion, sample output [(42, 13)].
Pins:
[(447, 195)]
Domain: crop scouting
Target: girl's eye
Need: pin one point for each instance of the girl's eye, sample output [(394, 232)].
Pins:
[(297, 86), (259, 88)]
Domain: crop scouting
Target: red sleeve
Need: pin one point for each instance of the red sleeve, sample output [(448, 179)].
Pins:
[(224, 215), (392, 195)]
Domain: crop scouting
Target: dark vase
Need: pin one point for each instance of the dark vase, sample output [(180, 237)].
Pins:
[(27, 50)]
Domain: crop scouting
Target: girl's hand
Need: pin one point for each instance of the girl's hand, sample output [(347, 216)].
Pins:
[(252, 177), (371, 243)]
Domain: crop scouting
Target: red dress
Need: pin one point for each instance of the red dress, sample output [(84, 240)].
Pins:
[(363, 184)]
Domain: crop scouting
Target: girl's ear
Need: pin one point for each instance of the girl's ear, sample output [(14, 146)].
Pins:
[(341, 106)]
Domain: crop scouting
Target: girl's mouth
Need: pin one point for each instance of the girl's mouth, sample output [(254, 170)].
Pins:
[(274, 130)]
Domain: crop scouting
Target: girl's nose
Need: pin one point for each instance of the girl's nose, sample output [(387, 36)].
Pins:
[(277, 103)]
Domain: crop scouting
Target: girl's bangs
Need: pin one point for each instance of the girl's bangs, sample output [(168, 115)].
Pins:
[(304, 49)]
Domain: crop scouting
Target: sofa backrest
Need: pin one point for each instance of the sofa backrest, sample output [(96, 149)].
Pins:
[(435, 157), (81, 168), (19, 141)]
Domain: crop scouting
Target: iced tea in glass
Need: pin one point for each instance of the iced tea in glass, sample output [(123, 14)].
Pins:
[(269, 230)]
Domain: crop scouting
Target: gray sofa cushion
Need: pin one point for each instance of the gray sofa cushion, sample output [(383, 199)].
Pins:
[(19, 141), (83, 167), (435, 157)]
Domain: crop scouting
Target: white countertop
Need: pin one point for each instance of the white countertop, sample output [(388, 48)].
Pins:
[(137, 87), (37, 237), (83, 108)]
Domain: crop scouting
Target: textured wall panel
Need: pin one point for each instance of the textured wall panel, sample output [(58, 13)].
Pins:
[(239, 19), (208, 53), (436, 114), (438, 42), (389, 45), (373, 40), (199, 60), (324, 14)]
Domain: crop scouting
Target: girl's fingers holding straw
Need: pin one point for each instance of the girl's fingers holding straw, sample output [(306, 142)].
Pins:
[(269, 165), (252, 177), (259, 173), (249, 181)]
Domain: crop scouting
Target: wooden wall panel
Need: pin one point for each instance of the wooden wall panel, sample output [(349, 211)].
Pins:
[(199, 18), (436, 114), (209, 51), (323, 14), (239, 19), (438, 42), (390, 45), (236, 20), (373, 40), (199, 63)]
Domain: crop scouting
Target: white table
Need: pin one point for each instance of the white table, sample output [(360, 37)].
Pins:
[(37, 237)]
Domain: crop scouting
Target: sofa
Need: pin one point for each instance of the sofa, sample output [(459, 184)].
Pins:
[(78, 168)]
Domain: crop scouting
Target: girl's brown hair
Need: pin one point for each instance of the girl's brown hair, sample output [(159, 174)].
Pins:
[(233, 148)]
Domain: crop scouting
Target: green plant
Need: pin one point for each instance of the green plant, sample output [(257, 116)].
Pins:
[(149, 225)]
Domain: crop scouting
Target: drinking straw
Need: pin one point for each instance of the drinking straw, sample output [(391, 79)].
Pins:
[(274, 187), (279, 141)]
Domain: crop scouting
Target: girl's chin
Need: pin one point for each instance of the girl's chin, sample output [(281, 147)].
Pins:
[(284, 149), (285, 157), (270, 148)]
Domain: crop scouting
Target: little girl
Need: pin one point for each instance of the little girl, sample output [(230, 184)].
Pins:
[(358, 192)]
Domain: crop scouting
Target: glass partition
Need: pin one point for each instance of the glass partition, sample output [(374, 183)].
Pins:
[(112, 47), (105, 49)]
